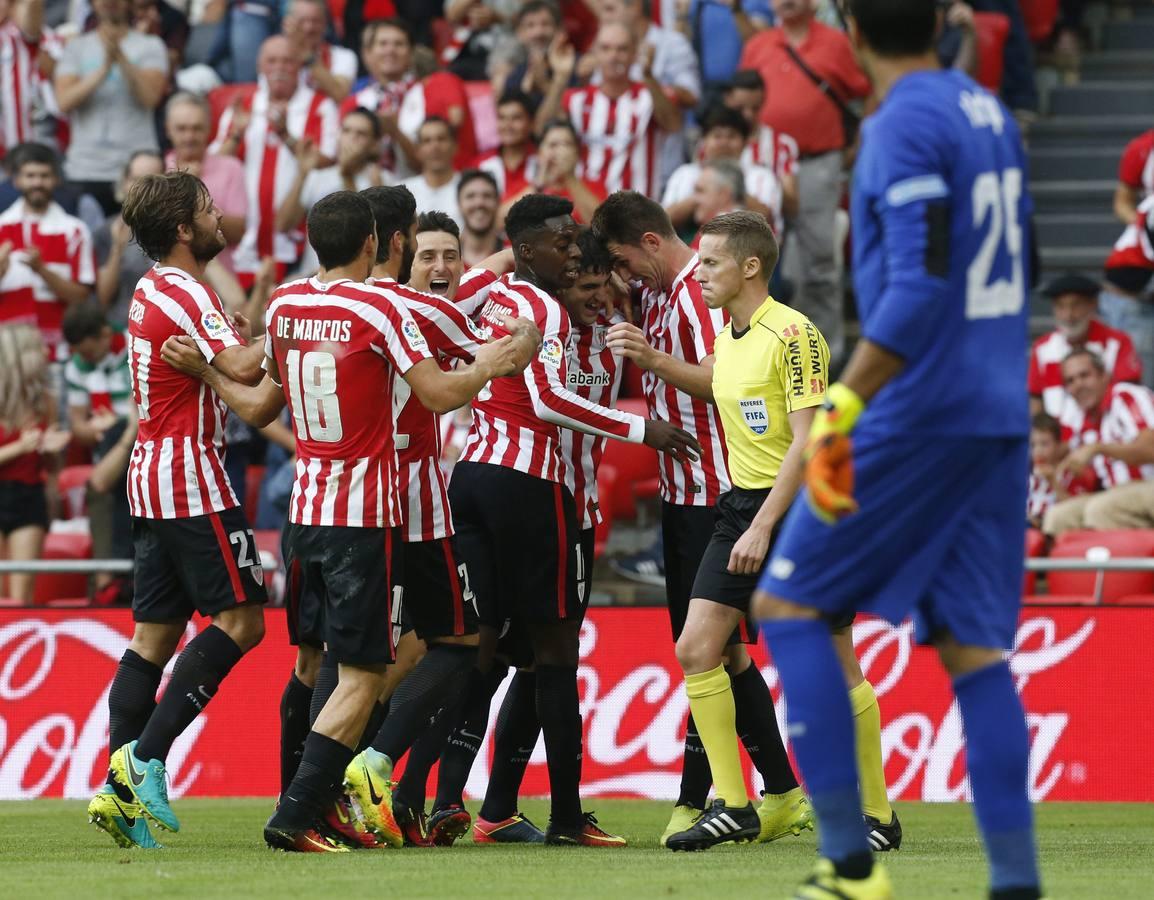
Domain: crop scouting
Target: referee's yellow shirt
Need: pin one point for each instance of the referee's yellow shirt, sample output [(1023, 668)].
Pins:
[(778, 365)]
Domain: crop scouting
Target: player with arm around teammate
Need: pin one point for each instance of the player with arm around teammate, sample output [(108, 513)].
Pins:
[(194, 550)]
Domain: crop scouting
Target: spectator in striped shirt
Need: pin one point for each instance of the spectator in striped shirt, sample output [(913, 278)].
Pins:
[(325, 67), (618, 120), (46, 260), (1110, 433), (514, 163), (21, 25), (765, 147)]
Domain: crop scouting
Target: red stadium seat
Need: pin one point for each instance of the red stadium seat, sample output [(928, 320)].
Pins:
[(1102, 545), (268, 542), (1136, 600), (631, 387), (221, 98), (55, 586), (1040, 17), (254, 477), (1035, 545), (636, 477), (991, 30), (72, 483)]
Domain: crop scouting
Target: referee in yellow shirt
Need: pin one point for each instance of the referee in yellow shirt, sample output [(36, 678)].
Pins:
[(769, 377)]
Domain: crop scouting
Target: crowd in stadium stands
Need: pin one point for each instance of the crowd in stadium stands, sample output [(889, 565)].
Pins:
[(472, 104)]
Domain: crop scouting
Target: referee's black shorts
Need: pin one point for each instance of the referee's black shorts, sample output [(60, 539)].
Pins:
[(735, 511)]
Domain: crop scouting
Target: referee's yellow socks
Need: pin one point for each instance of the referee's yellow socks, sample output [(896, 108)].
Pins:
[(867, 720), (711, 701)]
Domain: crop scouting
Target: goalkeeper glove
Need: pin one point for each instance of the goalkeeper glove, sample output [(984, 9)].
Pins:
[(829, 455)]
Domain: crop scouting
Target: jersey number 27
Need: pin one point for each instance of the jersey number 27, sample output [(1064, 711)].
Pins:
[(996, 197)]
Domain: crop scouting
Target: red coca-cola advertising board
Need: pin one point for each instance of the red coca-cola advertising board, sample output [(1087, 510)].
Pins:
[(1083, 674)]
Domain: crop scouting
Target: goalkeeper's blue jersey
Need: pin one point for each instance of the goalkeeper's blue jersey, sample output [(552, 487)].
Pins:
[(941, 256)]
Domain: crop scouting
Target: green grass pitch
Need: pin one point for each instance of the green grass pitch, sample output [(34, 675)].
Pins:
[(48, 850)]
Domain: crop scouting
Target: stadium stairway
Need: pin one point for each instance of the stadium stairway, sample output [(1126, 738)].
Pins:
[(1089, 117)]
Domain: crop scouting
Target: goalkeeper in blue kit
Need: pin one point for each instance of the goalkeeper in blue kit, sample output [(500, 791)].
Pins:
[(917, 465)]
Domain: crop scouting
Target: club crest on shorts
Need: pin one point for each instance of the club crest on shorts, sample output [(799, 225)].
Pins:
[(754, 413), (214, 323), (256, 570), (552, 352)]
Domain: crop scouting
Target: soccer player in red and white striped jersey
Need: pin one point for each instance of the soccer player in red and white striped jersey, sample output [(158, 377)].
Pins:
[(336, 344), (618, 120), (529, 574), (194, 550), (20, 35), (263, 132), (1110, 432), (674, 348)]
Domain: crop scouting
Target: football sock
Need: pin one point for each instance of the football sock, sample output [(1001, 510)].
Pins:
[(423, 691), (131, 701), (376, 723), (316, 783), (203, 664), (294, 727), (559, 711), (465, 737), (997, 757), (412, 789), (711, 701), (514, 739), (822, 731), (867, 722), (328, 677), (695, 775), (757, 727)]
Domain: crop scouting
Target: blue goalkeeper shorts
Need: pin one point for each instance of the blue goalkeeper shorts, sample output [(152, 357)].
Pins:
[(940, 534)]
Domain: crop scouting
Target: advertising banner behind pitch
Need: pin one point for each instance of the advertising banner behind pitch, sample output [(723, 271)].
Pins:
[(1083, 674)]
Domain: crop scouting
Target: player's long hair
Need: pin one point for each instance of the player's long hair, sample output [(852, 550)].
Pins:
[(23, 376)]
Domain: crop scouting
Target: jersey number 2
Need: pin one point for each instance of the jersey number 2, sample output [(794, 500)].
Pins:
[(312, 379), (998, 198)]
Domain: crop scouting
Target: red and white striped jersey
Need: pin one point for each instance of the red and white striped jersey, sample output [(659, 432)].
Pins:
[(1041, 497), (516, 420), (1126, 410), (340, 61), (682, 325), (19, 82), (270, 167), (384, 99), (510, 182), (176, 469), (773, 149), (1113, 345), (451, 335), (595, 374), (65, 246), (1136, 168), (618, 137), (1135, 248), (337, 346)]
